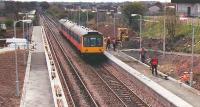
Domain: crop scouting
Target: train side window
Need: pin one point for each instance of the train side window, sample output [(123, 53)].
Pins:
[(78, 39), (72, 33), (69, 32)]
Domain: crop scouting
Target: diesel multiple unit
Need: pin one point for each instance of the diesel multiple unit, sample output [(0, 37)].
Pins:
[(87, 41)]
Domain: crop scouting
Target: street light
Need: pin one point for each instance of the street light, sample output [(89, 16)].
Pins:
[(133, 15), (16, 68), (26, 15), (87, 13), (24, 45), (96, 16), (114, 23), (191, 72), (79, 15), (164, 31)]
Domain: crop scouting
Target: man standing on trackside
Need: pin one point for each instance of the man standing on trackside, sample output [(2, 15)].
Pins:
[(108, 43), (143, 55), (154, 65)]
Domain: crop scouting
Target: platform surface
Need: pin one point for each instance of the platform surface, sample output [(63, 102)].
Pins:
[(185, 93), (38, 89)]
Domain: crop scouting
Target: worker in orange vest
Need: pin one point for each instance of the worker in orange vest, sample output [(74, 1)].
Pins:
[(154, 65), (185, 77)]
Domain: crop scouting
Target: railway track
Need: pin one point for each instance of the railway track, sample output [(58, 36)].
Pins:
[(57, 47), (121, 92), (126, 96)]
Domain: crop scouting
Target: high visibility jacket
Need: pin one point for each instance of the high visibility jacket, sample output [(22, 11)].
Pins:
[(154, 61), (185, 77)]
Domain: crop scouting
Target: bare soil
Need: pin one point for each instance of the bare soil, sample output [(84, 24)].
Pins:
[(8, 96)]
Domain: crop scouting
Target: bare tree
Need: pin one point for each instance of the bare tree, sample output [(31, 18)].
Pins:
[(171, 23)]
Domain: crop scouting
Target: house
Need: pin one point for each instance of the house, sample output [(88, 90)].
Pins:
[(2, 5), (154, 10), (190, 8)]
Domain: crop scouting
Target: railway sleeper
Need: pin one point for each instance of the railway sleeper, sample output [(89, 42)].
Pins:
[(113, 81), (126, 98)]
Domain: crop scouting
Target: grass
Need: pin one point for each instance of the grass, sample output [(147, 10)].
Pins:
[(155, 30)]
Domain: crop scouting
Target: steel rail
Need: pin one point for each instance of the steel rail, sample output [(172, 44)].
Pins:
[(72, 65), (104, 66), (59, 67)]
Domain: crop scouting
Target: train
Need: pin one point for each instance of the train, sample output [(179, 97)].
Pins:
[(85, 40)]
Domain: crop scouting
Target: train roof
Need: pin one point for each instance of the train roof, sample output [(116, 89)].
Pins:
[(79, 30)]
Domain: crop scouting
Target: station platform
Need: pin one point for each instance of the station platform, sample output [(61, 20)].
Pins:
[(37, 88), (182, 91)]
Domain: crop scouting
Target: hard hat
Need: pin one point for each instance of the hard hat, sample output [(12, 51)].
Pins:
[(185, 72)]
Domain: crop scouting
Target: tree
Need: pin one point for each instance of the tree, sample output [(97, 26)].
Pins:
[(9, 22), (133, 8), (171, 22), (12, 8), (44, 5)]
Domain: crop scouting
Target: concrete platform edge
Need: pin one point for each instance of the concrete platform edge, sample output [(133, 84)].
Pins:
[(55, 81), (170, 78), (26, 80)]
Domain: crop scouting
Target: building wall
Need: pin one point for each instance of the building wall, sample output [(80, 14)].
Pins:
[(182, 9), (2, 5), (154, 10)]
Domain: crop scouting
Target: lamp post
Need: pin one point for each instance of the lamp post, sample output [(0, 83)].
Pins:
[(164, 31), (133, 15), (96, 17), (24, 45), (26, 15), (192, 64), (115, 23), (87, 14), (79, 15), (16, 67)]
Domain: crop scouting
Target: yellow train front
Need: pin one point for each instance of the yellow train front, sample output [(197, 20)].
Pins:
[(87, 41), (92, 43)]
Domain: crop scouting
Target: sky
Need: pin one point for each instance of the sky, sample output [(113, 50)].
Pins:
[(93, 0)]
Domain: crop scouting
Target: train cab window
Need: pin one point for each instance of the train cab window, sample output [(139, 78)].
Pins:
[(99, 42), (93, 41)]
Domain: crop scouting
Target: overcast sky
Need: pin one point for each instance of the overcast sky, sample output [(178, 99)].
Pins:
[(93, 0)]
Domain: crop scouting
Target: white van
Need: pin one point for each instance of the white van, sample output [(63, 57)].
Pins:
[(2, 26)]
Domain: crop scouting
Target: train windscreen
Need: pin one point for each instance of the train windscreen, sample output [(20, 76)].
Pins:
[(93, 41)]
